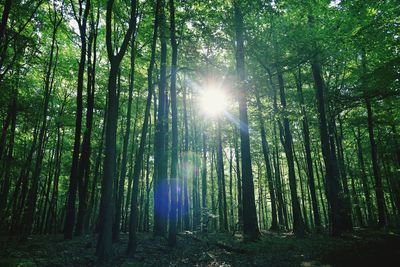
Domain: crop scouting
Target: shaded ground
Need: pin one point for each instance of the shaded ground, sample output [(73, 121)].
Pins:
[(362, 248)]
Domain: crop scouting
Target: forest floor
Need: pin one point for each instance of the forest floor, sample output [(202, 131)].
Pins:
[(361, 248)]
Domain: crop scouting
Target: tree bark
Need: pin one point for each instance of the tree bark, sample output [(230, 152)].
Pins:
[(133, 219), (30, 206), (250, 225), (307, 146), (337, 210), (161, 181), (298, 223), (104, 242), (74, 175), (174, 146), (380, 199), (124, 159), (267, 161)]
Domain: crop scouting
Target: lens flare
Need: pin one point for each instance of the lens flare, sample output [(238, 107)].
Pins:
[(213, 102)]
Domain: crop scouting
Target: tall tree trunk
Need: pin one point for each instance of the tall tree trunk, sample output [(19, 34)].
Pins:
[(96, 173), (104, 242), (133, 219), (213, 207), (124, 159), (307, 146), (364, 178), (250, 225), (21, 186), (239, 182), (267, 161), (342, 166), (380, 199), (355, 197), (30, 206), (232, 216), (174, 146), (5, 185), (84, 164), (298, 223), (204, 185), (223, 221), (161, 182), (51, 220), (337, 210), (186, 219), (74, 178)]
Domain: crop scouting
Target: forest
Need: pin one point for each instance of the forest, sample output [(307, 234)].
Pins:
[(199, 133)]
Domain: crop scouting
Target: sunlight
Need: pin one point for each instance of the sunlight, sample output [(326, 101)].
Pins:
[(213, 101)]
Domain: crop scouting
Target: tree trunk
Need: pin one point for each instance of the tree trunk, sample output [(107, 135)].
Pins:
[(298, 223), (186, 219), (161, 182), (104, 242), (5, 186), (337, 210), (120, 197), (174, 146), (364, 178), (239, 183), (84, 164), (30, 206), (74, 175), (250, 225), (307, 146), (380, 199), (133, 219), (223, 221), (265, 149)]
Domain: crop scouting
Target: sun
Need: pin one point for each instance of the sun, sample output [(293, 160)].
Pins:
[(213, 102)]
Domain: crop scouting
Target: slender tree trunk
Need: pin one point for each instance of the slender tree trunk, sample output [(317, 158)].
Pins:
[(232, 217), (161, 182), (298, 223), (250, 225), (364, 178), (186, 219), (132, 242), (342, 166), (380, 200), (223, 221), (337, 210), (104, 242), (3, 136), (265, 149), (18, 198), (307, 146), (174, 147), (355, 197), (213, 208), (239, 182), (96, 173), (74, 178), (84, 163), (120, 197), (302, 192), (5, 186), (30, 206)]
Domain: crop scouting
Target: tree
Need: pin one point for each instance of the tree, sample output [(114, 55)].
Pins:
[(174, 147), (103, 249), (161, 181), (132, 243), (250, 225), (81, 17)]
